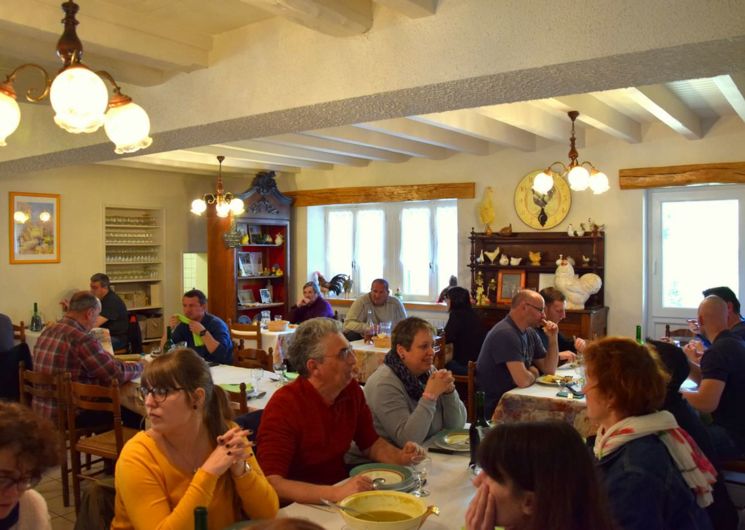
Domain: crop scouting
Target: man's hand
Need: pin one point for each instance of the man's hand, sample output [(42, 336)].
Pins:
[(694, 350), (410, 453), (196, 327), (580, 345), (550, 328), (567, 355), (482, 512), (173, 321), (355, 484)]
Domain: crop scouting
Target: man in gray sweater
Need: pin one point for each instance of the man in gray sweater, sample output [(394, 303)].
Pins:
[(378, 305)]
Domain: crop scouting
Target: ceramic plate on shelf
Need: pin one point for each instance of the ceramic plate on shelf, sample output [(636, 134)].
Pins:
[(555, 380), (397, 478), (456, 440)]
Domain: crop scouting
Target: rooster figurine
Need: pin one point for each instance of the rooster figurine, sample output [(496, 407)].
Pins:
[(335, 285), (486, 211), (576, 290), (492, 255)]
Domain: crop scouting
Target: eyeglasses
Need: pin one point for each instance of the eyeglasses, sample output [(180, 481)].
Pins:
[(343, 355), (159, 394), (21, 484), (537, 308)]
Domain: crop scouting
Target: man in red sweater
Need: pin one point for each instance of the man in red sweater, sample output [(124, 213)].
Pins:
[(308, 425)]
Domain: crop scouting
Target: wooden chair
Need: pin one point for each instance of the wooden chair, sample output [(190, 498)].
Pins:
[(245, 332), (19, 333), (238, 401), (440, 352), (47, 386), (470, 382), (106, 445), (252, 358)]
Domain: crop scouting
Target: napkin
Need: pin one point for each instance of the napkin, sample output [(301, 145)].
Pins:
[(195, 336), (291, 375), (237, 388)]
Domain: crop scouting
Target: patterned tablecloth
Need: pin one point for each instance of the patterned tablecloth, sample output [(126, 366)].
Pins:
[(540, 402), (369, 357)]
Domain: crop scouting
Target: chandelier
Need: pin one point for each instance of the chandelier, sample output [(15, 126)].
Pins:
[(79, 97), (577, 173), (225, 203)]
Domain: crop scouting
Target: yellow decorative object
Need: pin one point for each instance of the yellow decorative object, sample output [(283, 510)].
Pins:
[(486, 210)]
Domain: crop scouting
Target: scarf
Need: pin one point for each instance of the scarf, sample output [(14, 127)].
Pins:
[(11, 519), (414, 385), (696, 469)]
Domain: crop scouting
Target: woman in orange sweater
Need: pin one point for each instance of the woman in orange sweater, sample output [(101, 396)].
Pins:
[(192, 455)]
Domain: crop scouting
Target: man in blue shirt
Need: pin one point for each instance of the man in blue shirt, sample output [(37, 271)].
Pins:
[(512, 354), (214, 334), (734, 321)]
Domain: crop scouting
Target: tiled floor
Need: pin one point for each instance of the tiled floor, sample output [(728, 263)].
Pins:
[(63, 518)]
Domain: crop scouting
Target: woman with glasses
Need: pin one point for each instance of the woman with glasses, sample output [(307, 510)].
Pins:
[(192, 454), (27, 448), (410, 400), (655, 474)]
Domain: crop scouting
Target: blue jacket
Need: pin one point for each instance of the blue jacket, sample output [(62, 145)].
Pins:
[(647, 492)]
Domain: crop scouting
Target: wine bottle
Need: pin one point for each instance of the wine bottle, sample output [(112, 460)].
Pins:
[(398, 294), (477, 429), (36, 323), (169, 340), (369, 327), (200, 518), (639, 334)]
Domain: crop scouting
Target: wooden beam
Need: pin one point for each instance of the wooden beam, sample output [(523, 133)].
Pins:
[(412, 8), (414, 192), (658, 177), (597, 114), (732, 87), (340, 18), (668, 108)]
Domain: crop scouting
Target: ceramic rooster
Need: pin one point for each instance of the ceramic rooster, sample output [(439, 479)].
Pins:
[(486, 210), (492, 255), (335, 285), (576, 290)]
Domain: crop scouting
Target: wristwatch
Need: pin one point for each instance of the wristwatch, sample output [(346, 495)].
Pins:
[(203, 333)]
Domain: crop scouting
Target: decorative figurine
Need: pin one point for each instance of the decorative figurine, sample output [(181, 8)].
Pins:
[(577, 290), (515, 261), (506, 230), (244, 239), (570, 230), (585, 261), (504, 260), (491, 289), (492, 255), (268, 239), (278, 239), (480, 258), (534, 257), (486, 211)]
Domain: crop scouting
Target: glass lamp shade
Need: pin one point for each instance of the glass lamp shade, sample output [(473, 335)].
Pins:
[(236, 206), (10, 116), (20, 217), (128, 126), (579, 178), (599, 182), (79, 99), (198, 206), (45, 216), (543, 182), (222, 208)]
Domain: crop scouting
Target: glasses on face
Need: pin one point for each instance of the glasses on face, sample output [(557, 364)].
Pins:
[(159, 394), (21, 484), (537, 308), (343, 355)]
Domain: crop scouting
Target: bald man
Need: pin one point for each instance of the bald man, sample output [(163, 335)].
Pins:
[(720, 374)]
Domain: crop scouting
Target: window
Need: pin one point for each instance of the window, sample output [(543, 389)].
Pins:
[(414, 245), (695, 243)]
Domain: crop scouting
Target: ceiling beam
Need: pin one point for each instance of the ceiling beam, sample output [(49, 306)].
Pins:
[(340, 148), (205, 156), (664, 176), (534, 120), (597, 114), (363, 194), (295, 152), (340, 18), (659, 101), (240, 158), (411, 8), (423, 132), (479, 126), (732, 87), (154, 162), (356, 135)]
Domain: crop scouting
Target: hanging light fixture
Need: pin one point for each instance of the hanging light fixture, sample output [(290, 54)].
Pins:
[(577, 173), (225, 203), (79, 97)]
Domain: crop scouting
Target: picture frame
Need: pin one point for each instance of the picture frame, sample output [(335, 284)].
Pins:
[(508, 283), (266, 296), (255, 237), (34, 226), (246, 297), (546, 279)]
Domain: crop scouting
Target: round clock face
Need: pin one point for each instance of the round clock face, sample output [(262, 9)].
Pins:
[(542, 211)]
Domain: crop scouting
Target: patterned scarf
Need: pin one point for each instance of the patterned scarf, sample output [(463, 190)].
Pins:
[(696, 469), (11, 519), (414, 385)]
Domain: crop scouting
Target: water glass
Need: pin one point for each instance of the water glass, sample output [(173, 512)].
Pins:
[(277, 317), (255, 375), (420, 470)]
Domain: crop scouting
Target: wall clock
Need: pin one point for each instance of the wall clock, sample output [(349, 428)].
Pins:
[(542, 211)]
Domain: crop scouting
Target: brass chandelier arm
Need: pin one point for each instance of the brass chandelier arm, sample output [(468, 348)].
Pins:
[(8, 84)]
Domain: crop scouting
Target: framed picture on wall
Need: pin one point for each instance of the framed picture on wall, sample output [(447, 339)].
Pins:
[(266, 296), (34, 221), (508, 284)]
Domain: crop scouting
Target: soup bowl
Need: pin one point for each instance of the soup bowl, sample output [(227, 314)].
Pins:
[(391, 510)]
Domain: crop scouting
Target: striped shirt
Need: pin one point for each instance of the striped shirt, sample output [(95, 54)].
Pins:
[(67, 347)]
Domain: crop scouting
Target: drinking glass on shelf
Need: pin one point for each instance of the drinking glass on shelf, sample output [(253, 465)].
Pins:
[(420, 470), (277, 317)]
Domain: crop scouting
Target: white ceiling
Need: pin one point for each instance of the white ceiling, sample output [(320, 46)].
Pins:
[(148, 41)]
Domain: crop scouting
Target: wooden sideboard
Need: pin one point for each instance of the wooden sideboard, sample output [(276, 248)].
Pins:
[(586, 323)]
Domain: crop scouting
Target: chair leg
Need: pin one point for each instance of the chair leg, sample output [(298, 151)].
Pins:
[(76, 478), (64, 471)]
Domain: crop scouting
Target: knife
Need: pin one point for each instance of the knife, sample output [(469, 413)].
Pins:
[(441, 451), (257, 396)]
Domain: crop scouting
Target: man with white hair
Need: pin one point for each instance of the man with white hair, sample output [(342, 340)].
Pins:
[(720, 374)]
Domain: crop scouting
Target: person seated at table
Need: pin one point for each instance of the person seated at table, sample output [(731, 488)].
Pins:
[(720, 374), (513, 354), (556, 312), (655, 474), (114, 315), (204, 333), (66, 346), (408, 398), (378, 305), (735, 322), (192, 454), (28, 447), (463, 330), (311, 305), (309, 424), (523, 467)]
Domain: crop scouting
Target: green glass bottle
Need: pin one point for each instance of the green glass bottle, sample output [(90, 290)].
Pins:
[(200, 518), (169, 340), (36, 322), (478, 428), (639, 335)]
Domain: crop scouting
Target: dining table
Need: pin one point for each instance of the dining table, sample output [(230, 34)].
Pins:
[(368, 357), (269, 339)]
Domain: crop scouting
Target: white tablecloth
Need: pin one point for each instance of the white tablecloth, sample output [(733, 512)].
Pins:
[(268, 339)]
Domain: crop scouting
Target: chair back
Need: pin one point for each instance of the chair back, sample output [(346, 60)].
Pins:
[(19, 332), (46, 386), (470, 381), (242, 333), (238, 400), (95, 398), (252, 358), (440, 352)]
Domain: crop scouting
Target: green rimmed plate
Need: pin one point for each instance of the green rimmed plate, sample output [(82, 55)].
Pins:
[(455, 440), (396, 478)]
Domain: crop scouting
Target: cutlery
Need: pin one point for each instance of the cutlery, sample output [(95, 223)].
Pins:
[(350, 511), (430, 510), (441, 451), (257, 396)]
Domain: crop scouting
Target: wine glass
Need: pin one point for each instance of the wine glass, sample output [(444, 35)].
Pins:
[(255, 375), (420, 470)]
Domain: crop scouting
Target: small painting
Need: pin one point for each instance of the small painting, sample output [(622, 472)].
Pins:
[(508, 284), (266, 296), (34, 221), (546, 279), (254, 235)]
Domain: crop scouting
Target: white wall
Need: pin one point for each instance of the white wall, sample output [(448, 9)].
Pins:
[(621, 211)]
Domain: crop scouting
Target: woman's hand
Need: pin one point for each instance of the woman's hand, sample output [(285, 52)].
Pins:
[(440, 382), (580, 345), (353, 485), (232, 450), (303, 301), (482, 512)]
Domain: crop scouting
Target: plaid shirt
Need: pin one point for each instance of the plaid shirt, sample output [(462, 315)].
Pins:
[(67, 347)]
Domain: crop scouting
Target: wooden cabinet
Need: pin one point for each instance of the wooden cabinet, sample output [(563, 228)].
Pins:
[(587, 323), (249, 258)]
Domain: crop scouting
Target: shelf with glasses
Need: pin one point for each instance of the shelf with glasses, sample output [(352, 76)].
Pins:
[(152, 244), (109, 225), (260, 277), (136, 280), (144, 308), (260, 306)]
